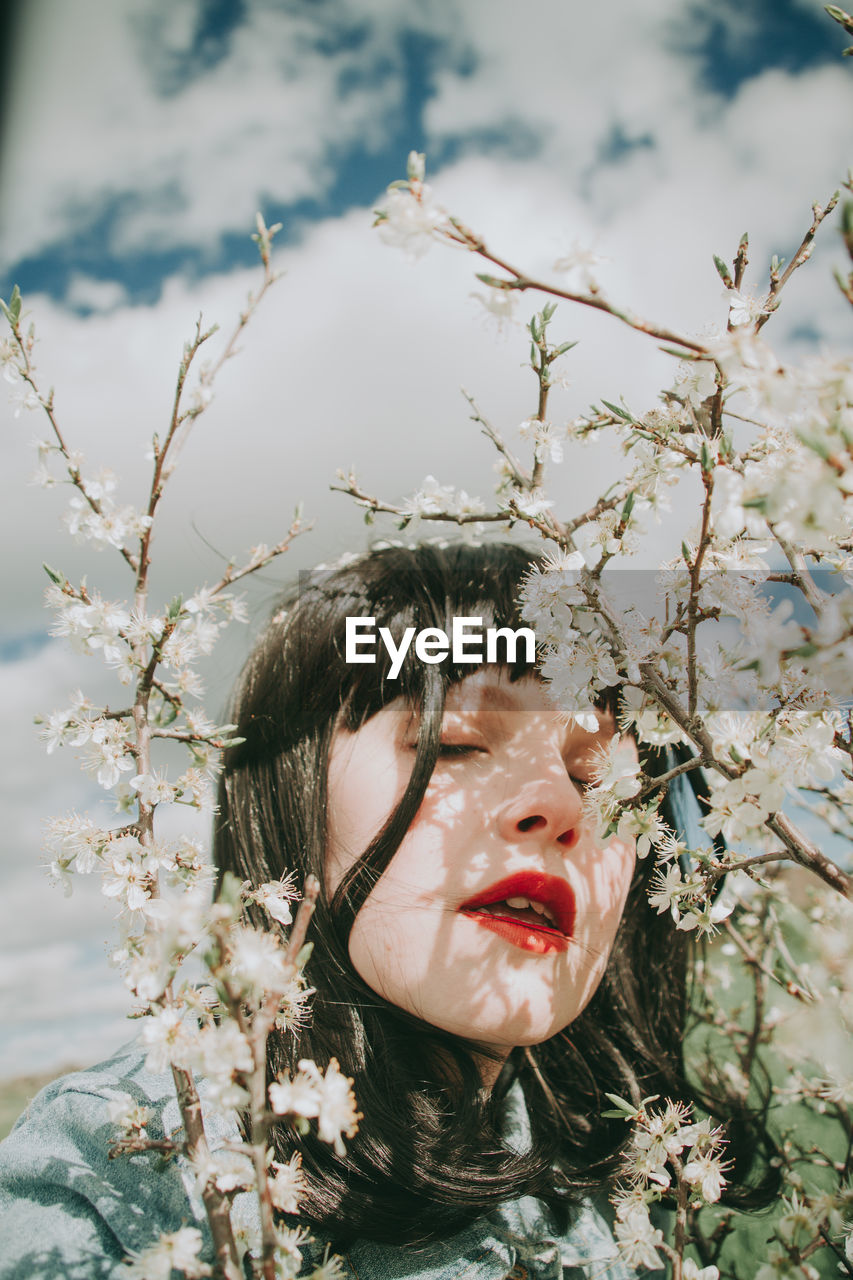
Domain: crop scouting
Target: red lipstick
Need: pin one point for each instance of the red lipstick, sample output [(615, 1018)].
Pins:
[(541, 932)]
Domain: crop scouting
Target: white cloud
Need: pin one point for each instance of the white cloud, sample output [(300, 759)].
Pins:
[(88, 294), (194, 161)]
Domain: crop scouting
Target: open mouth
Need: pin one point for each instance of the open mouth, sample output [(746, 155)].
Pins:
[(530, 909)]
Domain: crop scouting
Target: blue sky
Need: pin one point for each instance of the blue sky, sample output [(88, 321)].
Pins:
[(726, 44), (140, 136)]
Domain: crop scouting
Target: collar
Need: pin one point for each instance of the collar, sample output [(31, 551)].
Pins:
[(519, 1239)]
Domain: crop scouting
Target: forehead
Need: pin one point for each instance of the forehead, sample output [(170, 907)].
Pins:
[(491, 688), (492, 692)]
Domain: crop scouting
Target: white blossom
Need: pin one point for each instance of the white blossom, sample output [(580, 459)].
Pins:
[(744, 309), (499, 302), (580, 259), (615, 769), (433, 499), (667, 888), (275, 897), (638, 1240), (328, 1097), (691, 1270), (287, 1184), (410, 219), (128, 1114), (704, 1172), (152, 788), (128, 873), (175, 1250), (166, 1038), (256, 962), (696, 380)]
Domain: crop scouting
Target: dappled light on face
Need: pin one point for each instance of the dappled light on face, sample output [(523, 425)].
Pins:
[(497, 913)]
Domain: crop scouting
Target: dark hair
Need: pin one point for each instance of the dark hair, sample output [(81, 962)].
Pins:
[(428, 1156)]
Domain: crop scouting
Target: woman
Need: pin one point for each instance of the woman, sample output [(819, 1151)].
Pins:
[(485, 970)]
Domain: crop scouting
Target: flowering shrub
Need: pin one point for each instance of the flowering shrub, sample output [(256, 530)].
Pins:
[(217, 1030), (757, 709)]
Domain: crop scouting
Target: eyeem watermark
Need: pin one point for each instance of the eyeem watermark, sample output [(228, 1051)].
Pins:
[(434, 645)]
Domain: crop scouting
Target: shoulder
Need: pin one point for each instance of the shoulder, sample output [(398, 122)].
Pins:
[(518, 1241), (66, 1208)]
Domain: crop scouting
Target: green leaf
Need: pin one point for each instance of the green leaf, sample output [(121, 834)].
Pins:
[(620, 413), (842, 17), (167, 714), (14, 312), (564, 347), (304, 954), (230, 890), (706, 457), (55, 576), (806, 650), (174, 609), (628, 507), (723, 272), (624, 1110), (681, 353), (685, 552)]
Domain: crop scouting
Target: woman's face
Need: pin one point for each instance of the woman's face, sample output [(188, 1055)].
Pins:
[(496, 915)]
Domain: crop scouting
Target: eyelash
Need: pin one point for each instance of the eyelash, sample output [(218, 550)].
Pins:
[(449, 750)]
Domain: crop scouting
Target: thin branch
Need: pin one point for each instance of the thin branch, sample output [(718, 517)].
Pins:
[(28, 375), (215, 1203), (693, 600), (520, 474), (377, 505), (521, 282), (777, 282), (233, 575)]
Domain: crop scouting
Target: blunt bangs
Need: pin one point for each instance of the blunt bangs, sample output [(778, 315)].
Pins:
[(421, 587)]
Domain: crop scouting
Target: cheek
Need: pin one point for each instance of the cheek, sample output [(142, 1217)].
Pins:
[(624, 863), (364, 789)]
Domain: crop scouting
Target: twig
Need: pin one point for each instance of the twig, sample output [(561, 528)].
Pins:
[(216, 1205), (777, 282), (521, 282)]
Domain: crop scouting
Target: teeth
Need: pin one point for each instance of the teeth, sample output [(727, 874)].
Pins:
[(524, 904)]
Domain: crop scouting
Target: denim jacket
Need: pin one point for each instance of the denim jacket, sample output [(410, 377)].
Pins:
[(67, 1211)]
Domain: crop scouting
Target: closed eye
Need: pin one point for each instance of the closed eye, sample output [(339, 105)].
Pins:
[(451, 750)]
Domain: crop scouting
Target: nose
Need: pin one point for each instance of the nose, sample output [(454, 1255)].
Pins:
[(546, 808)]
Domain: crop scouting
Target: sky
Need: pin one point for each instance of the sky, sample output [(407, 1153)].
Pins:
[(140, 137)]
